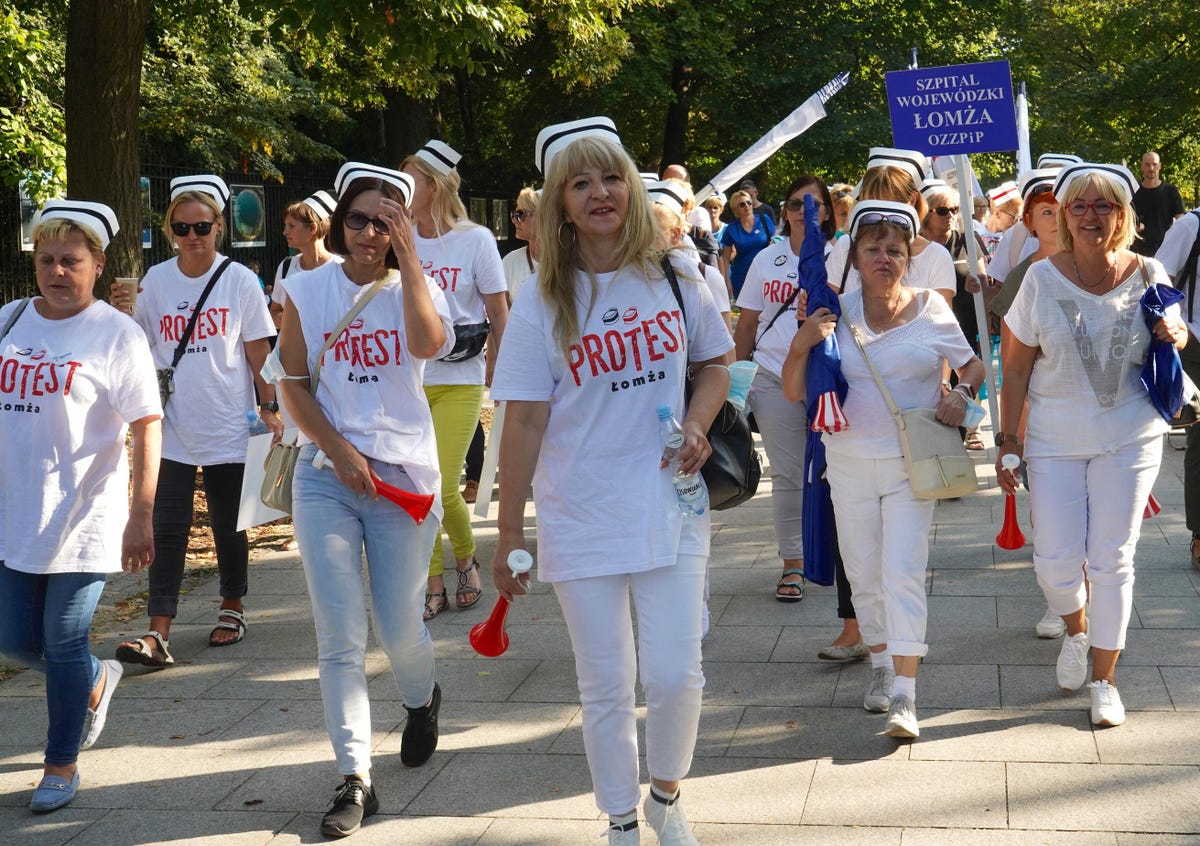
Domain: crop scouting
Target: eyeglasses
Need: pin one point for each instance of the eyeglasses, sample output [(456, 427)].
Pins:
[(798, 205), (942, 211), (358, 221), (871, 218), (1079, 208), (519, 216), (744, 203), (202, 228)]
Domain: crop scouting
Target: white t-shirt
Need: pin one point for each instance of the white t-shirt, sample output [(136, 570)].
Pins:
[(465, 264), (1085, 393), (68, 389), (700, 218), (604, 506), (908, 358), (370, 385), (517, 269), (288, 268), (687, 258), (770, 281), (1176, 246), (933, 267), (1003, 260), (205, 419)]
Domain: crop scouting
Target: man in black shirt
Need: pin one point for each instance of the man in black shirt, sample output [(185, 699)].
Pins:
[(1157, 204)]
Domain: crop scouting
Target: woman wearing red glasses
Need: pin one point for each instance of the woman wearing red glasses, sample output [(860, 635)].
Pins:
[(214, 377), (1093, 440)]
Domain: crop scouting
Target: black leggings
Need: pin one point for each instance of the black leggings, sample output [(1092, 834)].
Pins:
[(474, 468), (173, 524)]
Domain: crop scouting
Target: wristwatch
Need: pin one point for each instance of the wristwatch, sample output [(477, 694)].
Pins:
[(269, 406), (1002, 439)]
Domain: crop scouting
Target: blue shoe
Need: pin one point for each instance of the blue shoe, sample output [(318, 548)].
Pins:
[(53, 793)]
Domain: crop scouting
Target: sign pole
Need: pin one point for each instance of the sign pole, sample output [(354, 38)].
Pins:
[(985, 337)]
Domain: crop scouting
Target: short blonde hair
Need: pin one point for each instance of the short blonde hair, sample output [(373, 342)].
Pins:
[(1122, 236), (58, 228), (527, 200), (733, 199), (203, 199)]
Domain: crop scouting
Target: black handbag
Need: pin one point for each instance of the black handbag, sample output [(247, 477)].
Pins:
[(733, 470), (469, 339)]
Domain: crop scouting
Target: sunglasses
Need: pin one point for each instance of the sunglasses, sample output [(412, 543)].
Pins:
[(1044, 188), (202, 228), (358, 221), (520, 215), (798, 205), (744, 203), (871, 218), (1079, 208), (942, 211)]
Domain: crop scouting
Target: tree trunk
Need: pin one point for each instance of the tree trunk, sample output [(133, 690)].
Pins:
[(103, 97), (407, 124), (675, 127)]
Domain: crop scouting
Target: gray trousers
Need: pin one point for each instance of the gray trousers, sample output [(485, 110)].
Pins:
[(1190, 355)]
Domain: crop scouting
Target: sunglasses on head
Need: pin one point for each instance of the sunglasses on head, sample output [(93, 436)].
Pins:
[(202, 228), (519, 215), (871, 218), (942, 211), (358, 221), (798, 204), (1044, 188)]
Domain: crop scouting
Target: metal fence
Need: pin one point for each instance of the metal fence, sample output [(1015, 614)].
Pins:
[(254, 223)]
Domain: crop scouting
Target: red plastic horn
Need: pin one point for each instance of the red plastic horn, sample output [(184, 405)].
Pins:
[(489, 638), (1153, 506), (417, 505), (1010, 536)]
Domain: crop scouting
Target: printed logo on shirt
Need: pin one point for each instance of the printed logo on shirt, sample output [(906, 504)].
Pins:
[(1103, 369), (21, 381), (610, 316), (445, 277), (213, 322), (365, 349), (780, 261), (626, 357)]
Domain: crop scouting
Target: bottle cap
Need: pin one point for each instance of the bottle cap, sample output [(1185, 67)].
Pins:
[(1010, 462), (664, 412), (519, 561)]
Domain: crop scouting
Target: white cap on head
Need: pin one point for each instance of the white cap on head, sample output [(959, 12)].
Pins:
[(1004, 192), (649, 178), (96, 217), (351, 171), (441, 156), (207, 183), (1119, 175), (322, 203), (554, 139), (1036, 179), (867, 212), (1057, 160), (666, 193), (933, 185), (917, 164)]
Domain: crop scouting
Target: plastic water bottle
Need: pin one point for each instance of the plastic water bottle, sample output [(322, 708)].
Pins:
[(256, 424), (689, 489)]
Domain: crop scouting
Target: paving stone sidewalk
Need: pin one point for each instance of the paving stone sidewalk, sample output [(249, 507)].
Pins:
[(229, 746)]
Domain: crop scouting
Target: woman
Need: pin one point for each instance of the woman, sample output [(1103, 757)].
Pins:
[(370, 419), (65, 496), (773, 289), (743, 239), (1093, 440), (843, 205), (668, 213), (715, 205), (883, 529), (520, 264), (608, 522), (305, 225), (462, 259), (205, 418)]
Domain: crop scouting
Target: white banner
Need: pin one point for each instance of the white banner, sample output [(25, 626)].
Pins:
[(1024, 157)]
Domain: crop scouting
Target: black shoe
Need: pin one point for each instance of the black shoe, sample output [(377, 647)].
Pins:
[(353, 802), (420, 736)]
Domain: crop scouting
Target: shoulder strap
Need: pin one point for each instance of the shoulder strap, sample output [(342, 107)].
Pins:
[(887, 396), (191, 325), (375, 288), (14, 317), (791, 299), (286, 268), (670, 272), (845, 273), (1187, 275)]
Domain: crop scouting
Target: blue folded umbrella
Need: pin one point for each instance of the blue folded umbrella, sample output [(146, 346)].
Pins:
[(1162, 374)]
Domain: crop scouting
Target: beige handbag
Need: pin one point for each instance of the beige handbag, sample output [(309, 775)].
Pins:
[(280, 466), (937, 462)]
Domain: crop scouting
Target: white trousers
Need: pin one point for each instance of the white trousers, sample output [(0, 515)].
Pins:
[(883, 533), (784, 429), (597, 613), (1087, 515)]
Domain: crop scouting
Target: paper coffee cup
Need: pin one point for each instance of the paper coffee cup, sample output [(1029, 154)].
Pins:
[(130, 284)]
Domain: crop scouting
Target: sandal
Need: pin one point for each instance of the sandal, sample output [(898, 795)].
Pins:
[(470, 491), (236, 623), (973, 442), (784, 585), (430, 610), (465, 588), (140, 652)]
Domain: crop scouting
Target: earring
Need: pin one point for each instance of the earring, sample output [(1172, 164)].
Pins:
[(570, 229)]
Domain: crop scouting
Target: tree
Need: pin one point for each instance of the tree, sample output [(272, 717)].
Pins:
[(32, 142)]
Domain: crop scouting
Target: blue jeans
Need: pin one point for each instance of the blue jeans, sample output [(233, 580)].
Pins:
[(333, 525), (44, 623)]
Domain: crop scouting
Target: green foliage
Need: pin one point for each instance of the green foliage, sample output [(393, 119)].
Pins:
[(32, 131)]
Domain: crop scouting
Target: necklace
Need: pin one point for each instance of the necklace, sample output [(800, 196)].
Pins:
[(890, 318), (1107, 270)]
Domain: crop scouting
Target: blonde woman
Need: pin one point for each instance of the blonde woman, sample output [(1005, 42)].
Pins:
[(520, 264), (582, 427), (462, 259), (744, 238)]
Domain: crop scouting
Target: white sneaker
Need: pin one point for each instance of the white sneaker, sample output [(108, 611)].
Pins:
[(879, 690), (1071, 669), (1107, 708), (1050, 626), (668, 821), (902, 719), (626, 834)]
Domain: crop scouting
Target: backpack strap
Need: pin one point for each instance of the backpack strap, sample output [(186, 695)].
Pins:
[(14, 317)]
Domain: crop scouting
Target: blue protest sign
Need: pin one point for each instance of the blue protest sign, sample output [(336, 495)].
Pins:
[(952, 110)]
